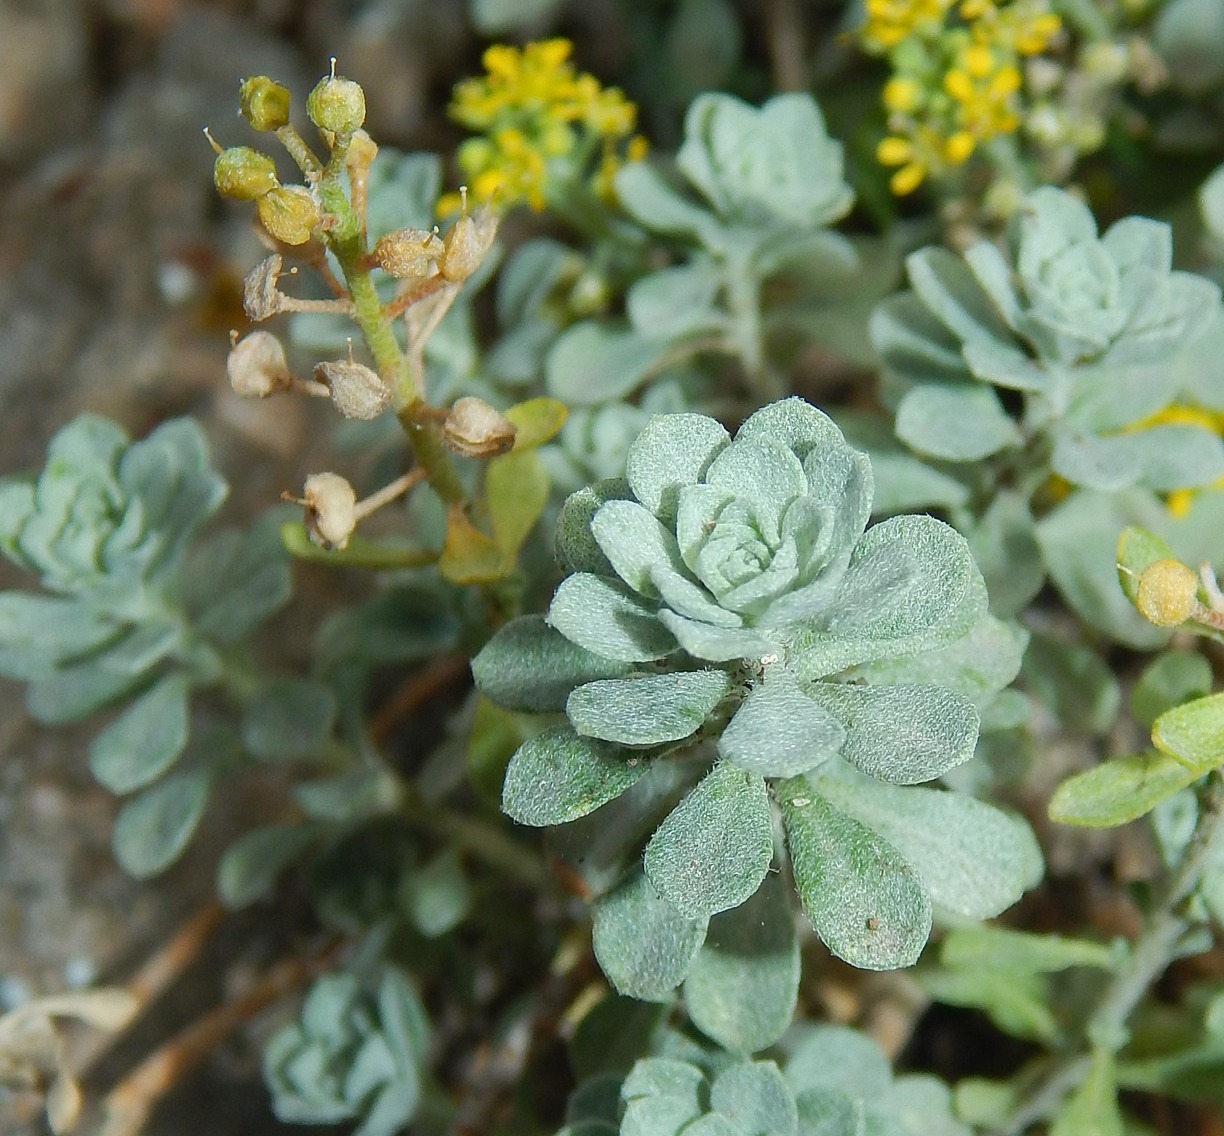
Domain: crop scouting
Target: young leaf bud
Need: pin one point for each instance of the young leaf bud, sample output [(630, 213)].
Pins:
[(289, 213), (263, 103), (336, 104), (1167, 593), (261, 298), (330, 509), (475, 430), (357, 391), (256, 366), (407, 252), (244, 174), (467, 244)]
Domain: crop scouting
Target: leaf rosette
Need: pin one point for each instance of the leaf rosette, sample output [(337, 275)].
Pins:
[(1088, 327), (728, 609)]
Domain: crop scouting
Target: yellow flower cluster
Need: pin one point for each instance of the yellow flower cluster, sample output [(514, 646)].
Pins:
[(540, 125), (954, 85)]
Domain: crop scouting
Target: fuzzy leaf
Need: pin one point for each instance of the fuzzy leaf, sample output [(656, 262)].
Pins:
[(646, 709), (1172, 678), (836, 1058), (743, 986), (250, 867), (713, 850), (575, 545), (288, 719), (39, 632), (516, 489), (535, 421), (604, 617), (591, 363), (978, 665), (1020, 952), (647, 198), (955, 423), (1193, 733), (974, 859), (1092, 1110), (1005, 547), (946, 286), (676, 301), (1160, 458), (755, 1098), (673, 450), (778, 731), (643, 944), (153, 828), (146, 739), (866, 903), (911, 586), (1119, 790), (558, 776), (528, 665), (901, 734)]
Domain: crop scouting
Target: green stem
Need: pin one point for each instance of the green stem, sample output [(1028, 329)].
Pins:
[(347, 242), (744, 301), (1149, 958)]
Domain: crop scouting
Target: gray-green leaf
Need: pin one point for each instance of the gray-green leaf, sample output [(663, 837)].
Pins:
[(646, 709), (146, 739)]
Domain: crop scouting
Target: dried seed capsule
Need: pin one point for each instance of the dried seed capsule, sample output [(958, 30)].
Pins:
[(1167, 593), (244, 174), (357, 391), (336, 104), (331, 508), (289, 213), (362, 150), (263, 103), (475, 430), (407, 252), (467, 244), (261, 297), (256, 366)]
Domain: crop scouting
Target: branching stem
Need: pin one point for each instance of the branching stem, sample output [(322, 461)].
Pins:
[(1148, 959)]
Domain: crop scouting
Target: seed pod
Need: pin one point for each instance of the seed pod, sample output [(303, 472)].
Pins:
[(337, 105), (407, 252), (244, 174), (474, 429), (467, 244), (261, 297), (256, 366), (330, 509), (289, 213), (357, 391), (263, 103), (1167, 593), (362, 150)]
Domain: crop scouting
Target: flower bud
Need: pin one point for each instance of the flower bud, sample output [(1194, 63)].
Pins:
[(263, 103), (289, 213), (256, 366), (261, 298), (357, 391), (1167, 593), (475, 430), (244, 174), (337, 105), (407, 252), (331, 509), (467, 244)]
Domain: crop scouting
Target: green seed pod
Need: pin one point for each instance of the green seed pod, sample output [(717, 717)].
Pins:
[(289, 213), (243, 173), (1167, 593), (337, 105), (263, 103)]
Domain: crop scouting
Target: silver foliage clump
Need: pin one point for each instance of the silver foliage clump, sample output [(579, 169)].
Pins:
[(727, 606)]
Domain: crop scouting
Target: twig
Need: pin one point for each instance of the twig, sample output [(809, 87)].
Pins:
[(784, 32), (1149, 957), (157, 973), (418, 689), (128, 1105)]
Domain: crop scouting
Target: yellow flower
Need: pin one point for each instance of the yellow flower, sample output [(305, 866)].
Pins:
[(901, 94), (958, 148), (894, 151), (907, 179), (534, 112), (1180, 501)]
